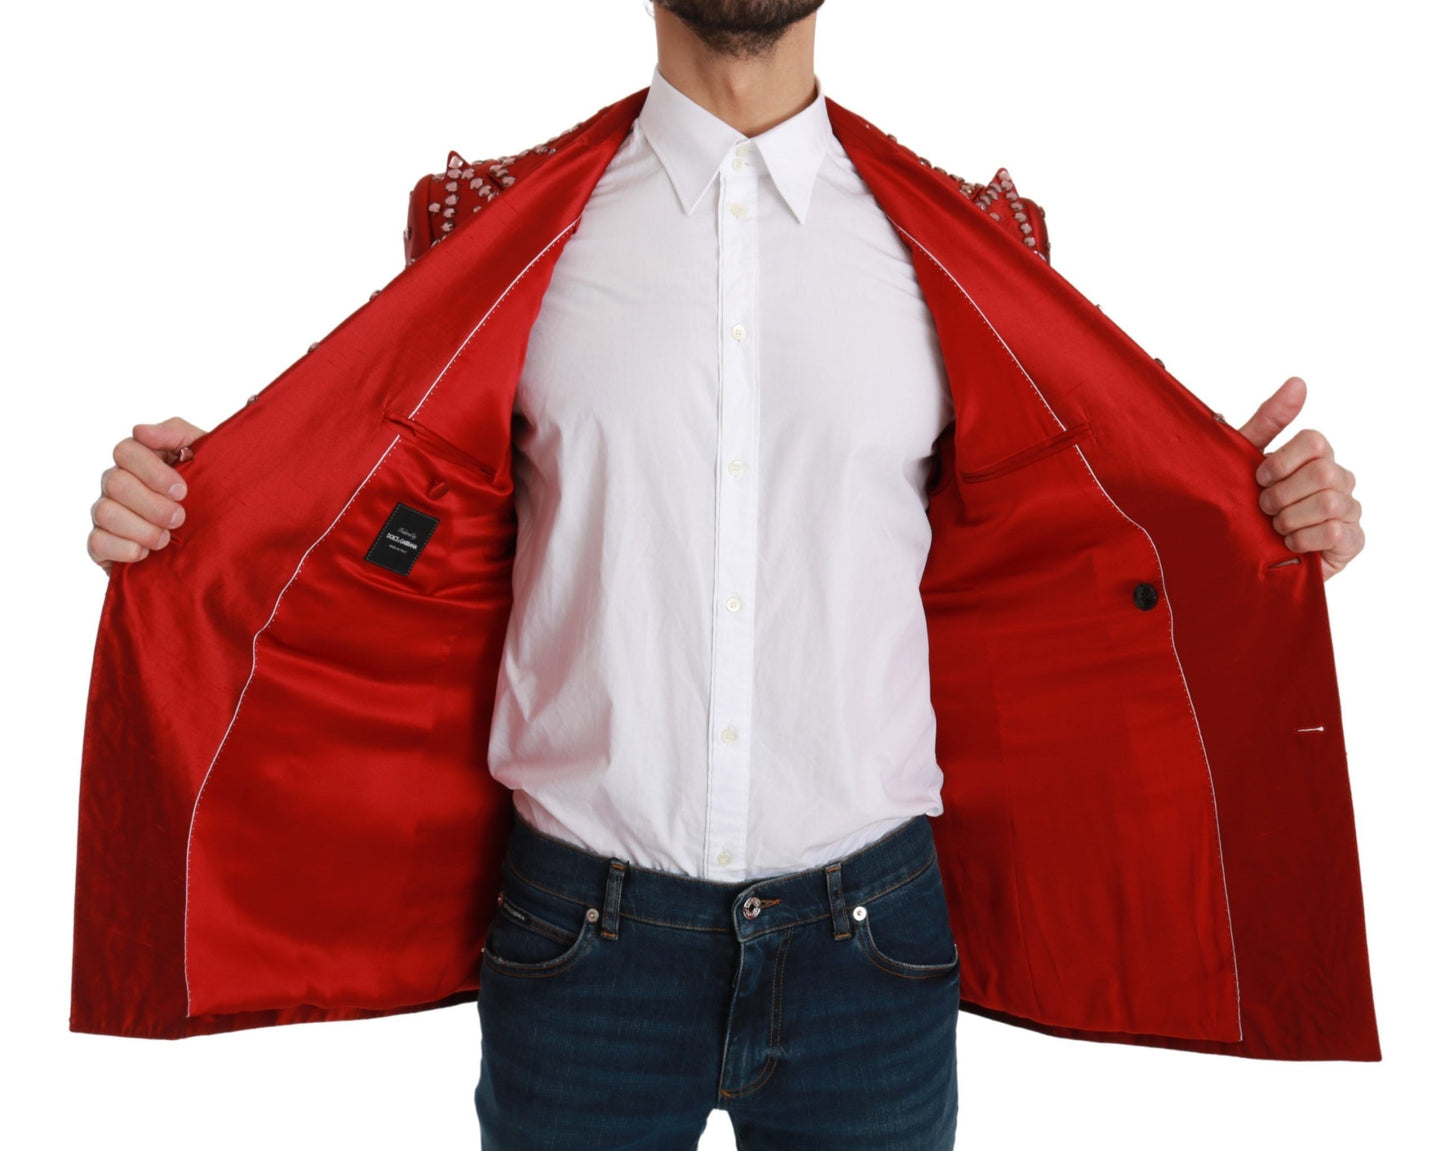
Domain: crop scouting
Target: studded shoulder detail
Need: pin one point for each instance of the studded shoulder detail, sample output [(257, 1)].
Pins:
[(441, 202), (1019, 215)]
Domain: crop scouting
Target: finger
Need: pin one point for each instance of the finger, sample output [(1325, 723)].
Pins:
[(1317, 475), (1342, 541), (172, 435), (1316, 508), (106, 549), (125, 489), (1307, 444), (142, 462), (1272, 416), (122, 522)]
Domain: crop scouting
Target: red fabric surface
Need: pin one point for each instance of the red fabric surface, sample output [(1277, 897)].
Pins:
[(286, 814)]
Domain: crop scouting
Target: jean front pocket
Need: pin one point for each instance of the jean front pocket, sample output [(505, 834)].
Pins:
[(906, 932), (528, 941)]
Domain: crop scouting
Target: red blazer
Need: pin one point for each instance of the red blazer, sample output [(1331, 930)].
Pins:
[(285, 809)]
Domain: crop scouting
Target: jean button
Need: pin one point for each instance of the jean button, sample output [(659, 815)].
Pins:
[(592, 915), (752, 907)]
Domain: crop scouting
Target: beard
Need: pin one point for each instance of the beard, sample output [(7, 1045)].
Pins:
[(740, 27)]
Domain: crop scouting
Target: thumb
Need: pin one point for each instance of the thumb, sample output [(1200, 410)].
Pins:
[(1272, 416), (169, 436)]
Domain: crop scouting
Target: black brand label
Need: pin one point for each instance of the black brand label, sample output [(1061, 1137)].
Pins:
[(401, 539)]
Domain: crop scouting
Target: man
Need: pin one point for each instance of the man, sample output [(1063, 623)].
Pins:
[(716, 660)]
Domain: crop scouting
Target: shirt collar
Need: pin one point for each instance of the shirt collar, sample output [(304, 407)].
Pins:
[(692, 144)]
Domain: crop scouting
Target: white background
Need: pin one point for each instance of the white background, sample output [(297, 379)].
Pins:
[(193, 193)]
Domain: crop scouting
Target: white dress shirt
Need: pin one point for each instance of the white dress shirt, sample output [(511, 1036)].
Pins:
[(717, 660)]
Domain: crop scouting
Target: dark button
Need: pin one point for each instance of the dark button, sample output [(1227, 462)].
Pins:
[(1145, 596)]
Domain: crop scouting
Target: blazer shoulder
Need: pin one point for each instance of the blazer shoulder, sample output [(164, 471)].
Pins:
[(442, 202), (1019, 215)]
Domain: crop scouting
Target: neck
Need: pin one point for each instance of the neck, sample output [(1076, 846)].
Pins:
[(750, 93)]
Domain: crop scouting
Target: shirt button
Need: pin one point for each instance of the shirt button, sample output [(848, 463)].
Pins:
[(724, 858), (739, 209), (737, 163), (735, 603), (730, 734), (735, 467), (739, 331), (741, 150)]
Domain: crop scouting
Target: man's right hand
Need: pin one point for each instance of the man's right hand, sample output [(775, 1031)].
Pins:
[(140, 495)]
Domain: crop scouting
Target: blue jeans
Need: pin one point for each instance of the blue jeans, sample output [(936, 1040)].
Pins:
[(621, 1005)]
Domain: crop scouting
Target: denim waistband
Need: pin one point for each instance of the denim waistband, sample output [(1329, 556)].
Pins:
[(620, 889)]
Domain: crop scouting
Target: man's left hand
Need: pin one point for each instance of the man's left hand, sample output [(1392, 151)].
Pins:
[(1308, 495)]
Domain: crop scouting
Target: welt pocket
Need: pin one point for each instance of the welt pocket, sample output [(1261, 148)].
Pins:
[(1031, 454), (436, 443)]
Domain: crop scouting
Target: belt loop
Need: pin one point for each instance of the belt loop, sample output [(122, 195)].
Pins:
[(611, 907), (842, 929)]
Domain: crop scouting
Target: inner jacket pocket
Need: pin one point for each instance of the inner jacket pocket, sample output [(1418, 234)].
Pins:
[(1060, 440)]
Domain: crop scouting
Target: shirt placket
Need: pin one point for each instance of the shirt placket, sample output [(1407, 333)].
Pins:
[(736, 535)]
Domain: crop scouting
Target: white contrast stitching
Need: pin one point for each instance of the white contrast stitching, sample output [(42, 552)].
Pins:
[(1179, 667), (488, 315), (913, 240), (1209, 771), (255, 639)]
